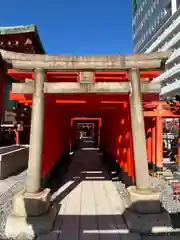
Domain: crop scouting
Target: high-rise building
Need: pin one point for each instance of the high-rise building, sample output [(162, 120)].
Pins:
[(156, 27), (148, 17)]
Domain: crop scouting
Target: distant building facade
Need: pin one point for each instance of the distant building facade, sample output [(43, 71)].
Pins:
[(148, 17), (164, 23)]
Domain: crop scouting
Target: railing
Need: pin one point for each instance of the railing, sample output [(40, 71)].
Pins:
[(175, 70), (174, 56), (173, 87), (171, 43), (169, 73), (170, 25), (163, 36)]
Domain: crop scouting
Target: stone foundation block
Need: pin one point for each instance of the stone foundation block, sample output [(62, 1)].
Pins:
[(30, 226), (29, 205), (145, 202), (158, 223)]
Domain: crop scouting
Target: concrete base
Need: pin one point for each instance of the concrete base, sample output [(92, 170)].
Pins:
[(145, 202), (12, 160), (26, 204), (148, 223), (30, 226)]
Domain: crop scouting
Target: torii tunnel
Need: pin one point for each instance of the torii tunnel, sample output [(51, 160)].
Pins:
[(110, 114), (110, 95)]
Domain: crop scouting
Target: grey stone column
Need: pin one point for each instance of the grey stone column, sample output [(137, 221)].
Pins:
[(36, 136), (138, 132)]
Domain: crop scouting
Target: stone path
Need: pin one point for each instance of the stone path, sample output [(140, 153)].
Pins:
[(90, 207)]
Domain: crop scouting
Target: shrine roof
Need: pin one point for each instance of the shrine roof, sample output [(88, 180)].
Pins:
[(11, 33), (17, 29)]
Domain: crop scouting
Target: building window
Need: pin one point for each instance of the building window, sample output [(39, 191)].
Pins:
[(178, 3), (134, 7), (152, 10), (158, 20), (149, 31)]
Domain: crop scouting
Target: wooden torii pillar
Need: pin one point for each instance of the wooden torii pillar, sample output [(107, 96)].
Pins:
[(178, 152), (159, 139), (35, 202)]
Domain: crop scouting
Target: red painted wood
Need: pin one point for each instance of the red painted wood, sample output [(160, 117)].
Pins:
[(148, 129), (178, 160), (159, 140), (56, 136), (73, 76), (110, 110)]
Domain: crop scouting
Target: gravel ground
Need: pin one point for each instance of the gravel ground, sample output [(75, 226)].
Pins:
[(172, 206), (6, 198), (168, 202)]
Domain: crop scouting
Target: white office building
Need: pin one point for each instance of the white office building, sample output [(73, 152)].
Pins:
[(165, 38)]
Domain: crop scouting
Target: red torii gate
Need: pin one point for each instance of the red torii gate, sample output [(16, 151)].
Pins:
[(127, 163), (154, 112)]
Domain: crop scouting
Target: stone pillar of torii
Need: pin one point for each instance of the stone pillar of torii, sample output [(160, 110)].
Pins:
[(35, 202)]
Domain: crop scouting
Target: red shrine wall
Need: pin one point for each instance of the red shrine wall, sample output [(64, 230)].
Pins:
[(116, 139), (56, 136)]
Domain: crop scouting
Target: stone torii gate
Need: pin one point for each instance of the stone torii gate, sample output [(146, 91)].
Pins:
[(35, 202)]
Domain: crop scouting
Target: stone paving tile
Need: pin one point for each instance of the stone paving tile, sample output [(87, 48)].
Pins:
[(91, 209)]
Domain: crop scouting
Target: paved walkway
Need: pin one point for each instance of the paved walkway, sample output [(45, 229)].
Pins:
[(90, 207)]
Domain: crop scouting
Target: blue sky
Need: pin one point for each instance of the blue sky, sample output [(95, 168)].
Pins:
[(75, 26)]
